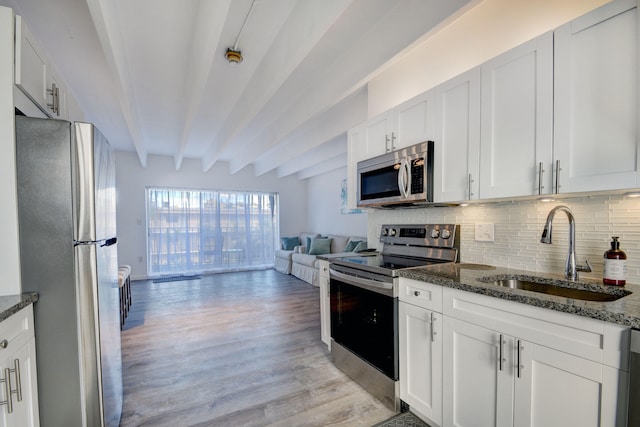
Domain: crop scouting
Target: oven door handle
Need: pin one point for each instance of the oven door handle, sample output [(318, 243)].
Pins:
[(360, 281)]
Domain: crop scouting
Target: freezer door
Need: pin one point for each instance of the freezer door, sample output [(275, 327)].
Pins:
[(94, 185)]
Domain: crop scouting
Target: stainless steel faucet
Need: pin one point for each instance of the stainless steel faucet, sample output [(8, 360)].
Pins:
[(571, 268)]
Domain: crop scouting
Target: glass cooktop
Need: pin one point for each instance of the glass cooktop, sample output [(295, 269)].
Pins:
[(381, 262)]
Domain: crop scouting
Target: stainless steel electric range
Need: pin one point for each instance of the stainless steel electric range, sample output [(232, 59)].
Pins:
[(364, 302)]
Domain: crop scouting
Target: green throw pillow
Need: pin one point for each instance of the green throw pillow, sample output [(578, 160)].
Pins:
[(351, 245), (288, 243), (360, 247), (320, 246)]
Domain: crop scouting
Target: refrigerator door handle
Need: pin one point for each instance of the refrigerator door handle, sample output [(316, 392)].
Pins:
[(109, 242), (102, 243)]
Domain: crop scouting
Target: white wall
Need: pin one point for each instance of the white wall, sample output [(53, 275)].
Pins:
[(518, 227), (132, 180), (10, 255), (487, 30), (324, 207)]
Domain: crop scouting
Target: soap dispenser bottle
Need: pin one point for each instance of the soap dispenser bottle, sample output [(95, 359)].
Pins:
[(615, 265)]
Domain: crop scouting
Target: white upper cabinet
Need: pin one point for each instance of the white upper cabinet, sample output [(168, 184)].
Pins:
[(557, 114), (413, 121), (377, 137), (517, 121), (596, 100), (407, 124), (457, 141), (31, 65), (35, 76)]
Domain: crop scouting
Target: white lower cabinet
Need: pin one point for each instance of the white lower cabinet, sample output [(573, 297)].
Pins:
[(508, 364), (18, 383), (470, 360), (325, 303), (421, 360), (553, 388), (420, 343)]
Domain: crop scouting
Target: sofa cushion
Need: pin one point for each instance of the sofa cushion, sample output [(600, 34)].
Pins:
[(351, 245), (339, 243), (305, 241), (360, 247), (320, 246), (288, 243), (304, 259)]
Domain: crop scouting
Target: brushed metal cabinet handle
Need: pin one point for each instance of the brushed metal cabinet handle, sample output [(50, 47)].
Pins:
[(500, 352), (16, 368), (520, 366), (540, 177), (433, 327)]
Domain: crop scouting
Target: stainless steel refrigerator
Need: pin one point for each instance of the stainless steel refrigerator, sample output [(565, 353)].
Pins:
[(66, 207)]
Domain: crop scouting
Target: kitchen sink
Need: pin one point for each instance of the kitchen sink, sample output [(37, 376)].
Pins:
[(565, 289)]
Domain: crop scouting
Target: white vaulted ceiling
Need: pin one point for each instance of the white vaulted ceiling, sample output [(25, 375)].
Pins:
[(153, 76)]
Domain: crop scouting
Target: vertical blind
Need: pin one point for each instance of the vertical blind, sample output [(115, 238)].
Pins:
[(194, 231)]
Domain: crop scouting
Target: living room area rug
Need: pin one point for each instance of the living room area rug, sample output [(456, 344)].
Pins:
[(405, 419)]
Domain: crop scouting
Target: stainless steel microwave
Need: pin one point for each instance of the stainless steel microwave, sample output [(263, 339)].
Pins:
[(403, 176)]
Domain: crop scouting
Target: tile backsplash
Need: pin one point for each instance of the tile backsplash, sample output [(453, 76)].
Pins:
[(519, 225)]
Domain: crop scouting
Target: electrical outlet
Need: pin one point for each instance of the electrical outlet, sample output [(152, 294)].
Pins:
[(485, 232)]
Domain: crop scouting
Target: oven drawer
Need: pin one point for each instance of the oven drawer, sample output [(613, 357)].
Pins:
[(421, 294)]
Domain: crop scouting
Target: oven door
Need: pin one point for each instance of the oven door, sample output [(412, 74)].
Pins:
[(364, 319)]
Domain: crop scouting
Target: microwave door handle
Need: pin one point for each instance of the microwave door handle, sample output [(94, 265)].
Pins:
[(401, 178), (403, 175)]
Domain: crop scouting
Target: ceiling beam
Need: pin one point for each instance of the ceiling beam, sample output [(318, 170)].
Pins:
[(210, 20), (348, 113), (322, 168), (105, 18), (335, 148), (288, 50)]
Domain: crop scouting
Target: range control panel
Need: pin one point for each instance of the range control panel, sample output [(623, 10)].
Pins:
[(432, 235)]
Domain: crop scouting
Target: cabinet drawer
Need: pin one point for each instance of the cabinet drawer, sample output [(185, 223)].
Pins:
[(421, 294), (16, 331)]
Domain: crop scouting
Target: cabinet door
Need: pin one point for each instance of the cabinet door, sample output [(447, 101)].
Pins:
[(596, 100), (457, 143), (554, 388), (413, 121), (21, 368), (30, 65), (421, 360), (477, 384), (517, 121), (377, 135)]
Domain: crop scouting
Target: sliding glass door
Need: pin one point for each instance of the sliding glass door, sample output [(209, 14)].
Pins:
[(195, 231)]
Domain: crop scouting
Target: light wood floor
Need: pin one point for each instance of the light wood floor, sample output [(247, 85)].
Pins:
[(234, 349)]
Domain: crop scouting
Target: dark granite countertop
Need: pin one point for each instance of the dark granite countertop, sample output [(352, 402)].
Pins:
[(12, 304), (624, 311)]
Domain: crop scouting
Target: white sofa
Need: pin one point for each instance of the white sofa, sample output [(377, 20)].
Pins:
[(303, 265)]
